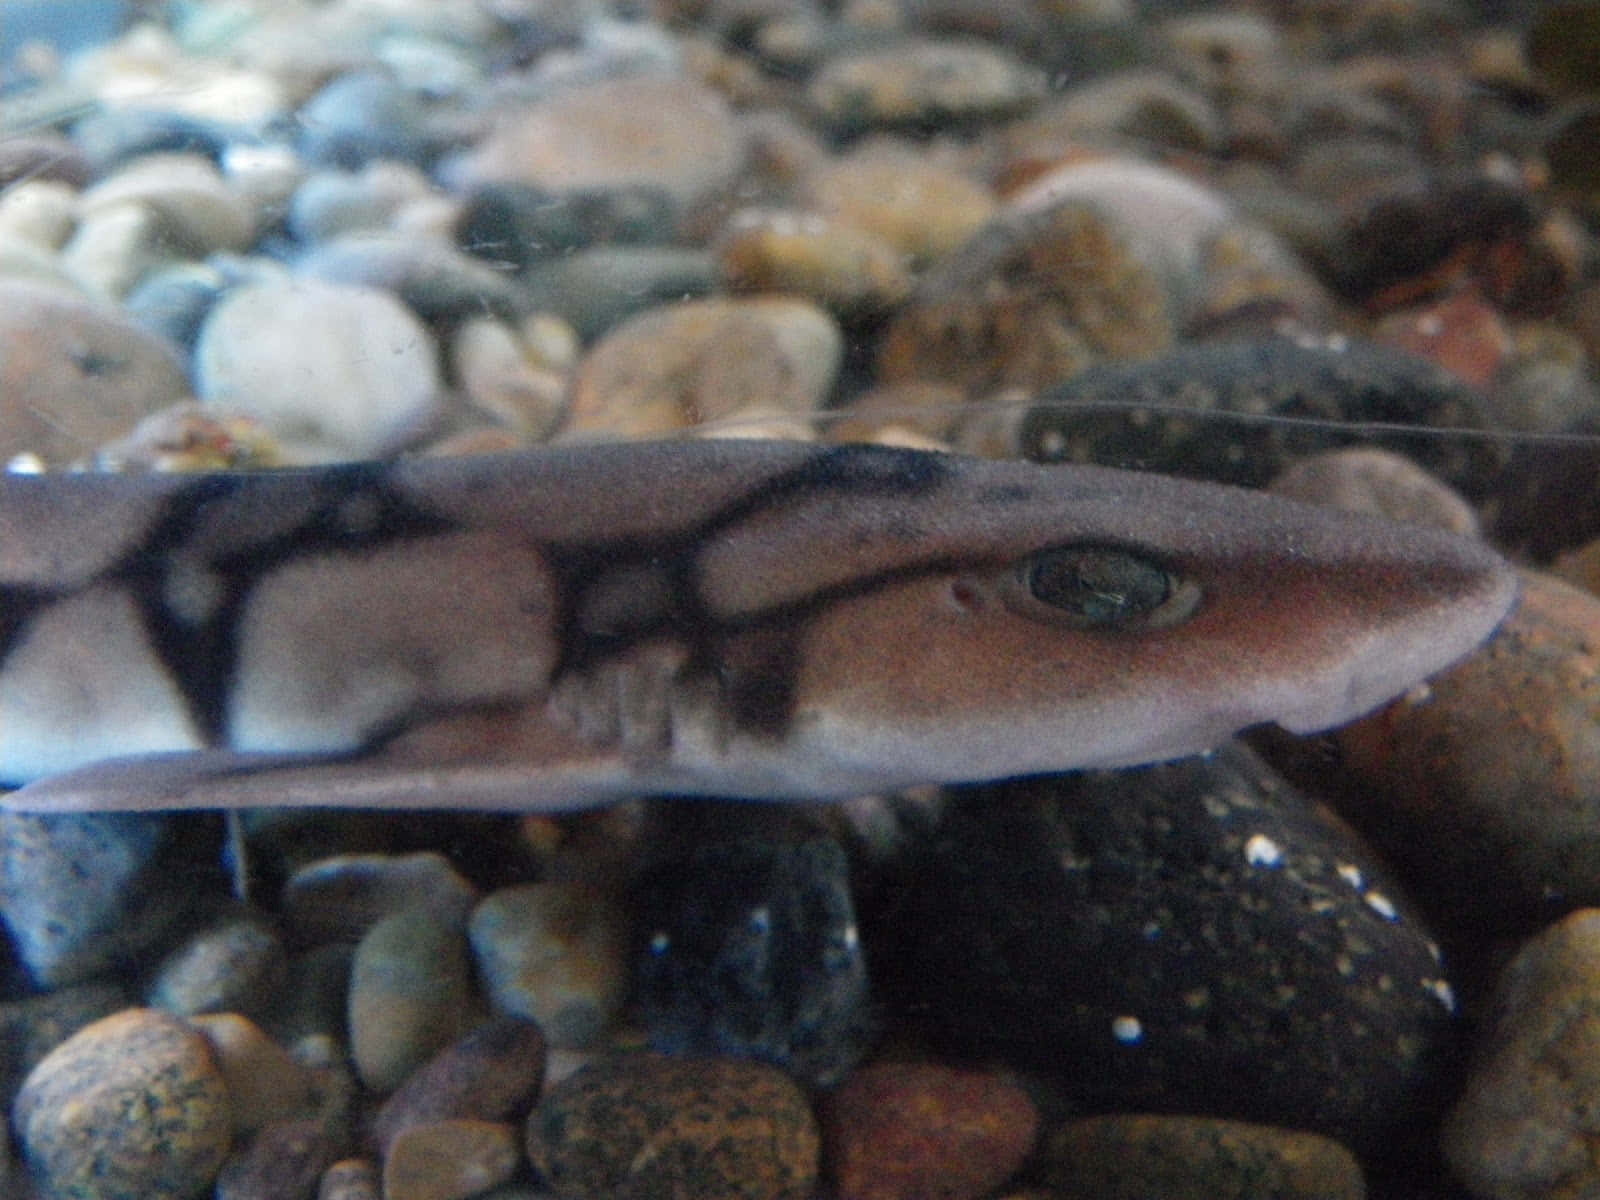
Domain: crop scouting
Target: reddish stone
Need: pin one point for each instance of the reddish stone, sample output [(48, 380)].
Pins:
[(1461, 333), (921, 1131)]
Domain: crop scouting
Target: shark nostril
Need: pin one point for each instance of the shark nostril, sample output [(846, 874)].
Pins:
[(966, 595)]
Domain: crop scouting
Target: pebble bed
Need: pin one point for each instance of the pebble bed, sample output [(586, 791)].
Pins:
[(246, 234)]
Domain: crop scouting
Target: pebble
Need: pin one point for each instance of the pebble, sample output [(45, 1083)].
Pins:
[(1462, 333), (703, 361), (37, 211), (1526, 1123), (172, 301), (492, 1074), (450, 1160), (1135, 1156), (235, 963), (75, 373), (350, 1179), (1368, 480), (85, 894), (504, 379), (597, 289), (1032, 298), (909, 1130), (921, 82), (848, 271), (514, 225), (751, 946), (71, 1115), (333, 372), (197, 212), (264, 1084), (654, 132), (1508, 736), (283, 1161), (434, 279), (328, 204), (554, 953), (340, 898), (649, 1125), (363, 116), (1110, 414), (921, 207), (410, 995), (1195, 937)]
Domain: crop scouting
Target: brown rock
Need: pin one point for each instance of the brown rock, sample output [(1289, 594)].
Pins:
[(264, 1084), (74, 374), (1134, 1157), (906, 1131), (923, 209), (686, 364), (73, 1115), (1461, 333), (1029, 300), (492, 1074), (350, 1179), (283, 1161), (1490, 776), (449, 1160), (645, 1125), (1367, 479), (1528, 1122)]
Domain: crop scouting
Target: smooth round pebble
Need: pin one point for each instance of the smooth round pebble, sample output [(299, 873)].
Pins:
[(75, 373), (1528, 1119), (648, 1125), (363, 116), (687, 364), (264, 1083), (351, 1179), (32, 1026), (1509, 736), (334, 372), (554, 953), (72, 1114), (328, 204), (1135, 1157), (340, 898), (674, 135), (1365, 479), (449, 1160), (923, 81), (517, 224), (922, 208), (492, 1074), (428, 274), (909, 1130), (235, 962), (410, 995), (196, 208), (599, 287), (37, 211)]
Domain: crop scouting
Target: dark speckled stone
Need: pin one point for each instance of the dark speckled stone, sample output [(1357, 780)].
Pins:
[(642, 1125), (1193, 937)]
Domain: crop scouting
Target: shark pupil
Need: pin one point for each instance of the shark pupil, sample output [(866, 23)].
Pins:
[(1103, 586)]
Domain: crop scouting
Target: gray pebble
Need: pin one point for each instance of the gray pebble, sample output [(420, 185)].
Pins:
[(85, 894), (234, 963), (340, 898), (602, 286), (433, 278), (333, 371)]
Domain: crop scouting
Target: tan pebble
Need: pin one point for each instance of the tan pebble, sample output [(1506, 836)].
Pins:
[(186, 437), (925, 408), (1462, 333), (350, 1179), (846, 270), (1581, 567), (923, 79), (554, 953), (638, 132), (72, 1112), (923, 209), (264, 1083), (682, 365), (449, 1160), (74, 373), (1134, 1157), (501, 378), (1526, 1123), (1381, 482), (112, 250), (410, 995)]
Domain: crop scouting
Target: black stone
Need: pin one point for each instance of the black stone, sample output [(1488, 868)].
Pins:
[(1194, 937)]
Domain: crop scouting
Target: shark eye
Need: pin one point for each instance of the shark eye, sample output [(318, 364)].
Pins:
[(1096, 586)]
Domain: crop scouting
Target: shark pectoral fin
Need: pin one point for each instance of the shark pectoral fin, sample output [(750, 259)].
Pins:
[(511, 760)]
